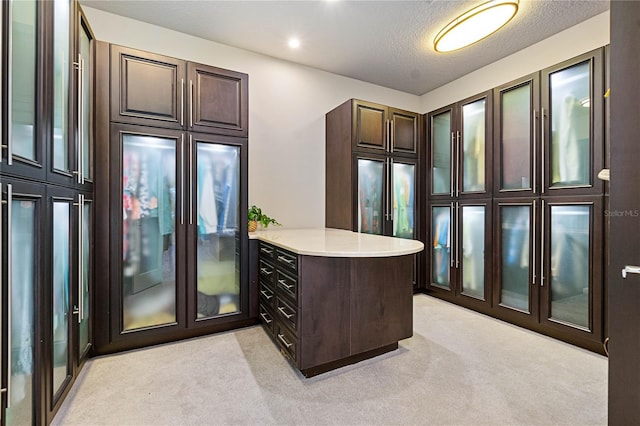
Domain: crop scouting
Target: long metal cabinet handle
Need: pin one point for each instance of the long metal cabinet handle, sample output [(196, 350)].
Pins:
[(182, 102), (9, 289), (191, 100), (457, 163), (9, 145), (451, 164), (452, 236), (386, 214), (458, 242), (182, 179), (79, 152), (533, 243), (391, 191), (190, 178), (8, 247), (542, 159), (542, 213), (80, 251), (535, 150), (392, 135)]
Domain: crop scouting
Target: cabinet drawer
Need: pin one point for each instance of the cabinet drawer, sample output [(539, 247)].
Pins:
[(266, 271), (267, 252), (286, 340), (267, 319), (286, 313), (287, 260), (287, 285), (267, 297)]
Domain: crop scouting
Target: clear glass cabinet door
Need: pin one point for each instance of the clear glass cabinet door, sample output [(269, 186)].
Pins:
[(148, 231), (570, 121), (472, 146), (441, 153), (404, 182), (217, 221), (370, 196), (516, 131)]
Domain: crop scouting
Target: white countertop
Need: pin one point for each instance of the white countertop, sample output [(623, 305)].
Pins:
[(328, 242)]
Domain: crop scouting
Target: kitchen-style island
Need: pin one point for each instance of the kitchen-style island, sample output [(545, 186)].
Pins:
[(330, 297)]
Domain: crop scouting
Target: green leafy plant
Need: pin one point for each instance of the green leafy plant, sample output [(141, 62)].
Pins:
[(255, 215)]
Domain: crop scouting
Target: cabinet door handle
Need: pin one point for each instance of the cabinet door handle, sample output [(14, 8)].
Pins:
[(9, 288), (182, 102), (266, 250), (452, 241), (191, 154), (191, 101), (284, 259), (392, 135), (542, 213), (266, 271), (458, 242), (265, 318), (80, 255), (284, 283), (288, 316), (284, 341), (535, 150), (182, 195), (266, 295), (452, 165), (630, 269), (542, 158), (458, 163), (533, 244), (80, 138), (9, 77)]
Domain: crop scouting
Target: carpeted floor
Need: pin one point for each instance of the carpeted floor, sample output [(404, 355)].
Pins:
[(459, 368)]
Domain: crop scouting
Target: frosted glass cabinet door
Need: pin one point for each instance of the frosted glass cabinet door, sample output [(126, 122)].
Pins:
[(22, 74), (441, 153), (217, 219), (61, 71), (569, 267), (515, 254), (570, 121), (472, 146), (471, 257), (516, 134), (441, 246), (370, 196), (61, 288), (84, 296), (148, 231), (84, 98), (404, 178)]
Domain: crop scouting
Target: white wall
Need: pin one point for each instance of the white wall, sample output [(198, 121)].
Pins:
[(588, 35), (287, 105)]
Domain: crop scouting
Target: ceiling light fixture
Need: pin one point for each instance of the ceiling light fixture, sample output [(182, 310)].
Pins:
[(475, 24), (294, 43)]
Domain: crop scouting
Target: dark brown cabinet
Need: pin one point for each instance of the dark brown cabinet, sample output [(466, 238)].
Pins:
[(160, 91)]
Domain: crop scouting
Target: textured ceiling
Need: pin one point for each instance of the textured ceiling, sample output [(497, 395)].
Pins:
[(388, 43)]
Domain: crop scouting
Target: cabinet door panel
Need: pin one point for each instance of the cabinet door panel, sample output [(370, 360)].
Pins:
[(403, 180), (404, 132), (441, 150), (218, 100), (441, 245), (146, 88), (471, 255), (370, 214), (472, 147), (85, 286), (84, 122), (371, 126)]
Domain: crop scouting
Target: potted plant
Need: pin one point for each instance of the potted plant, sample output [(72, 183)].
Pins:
[(256, 216)]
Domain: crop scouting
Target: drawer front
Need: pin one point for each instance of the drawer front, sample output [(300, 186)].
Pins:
[(287, 285), (287, 341), (266, 271), (286, 313), (267, 297), (267, 251), (267, 319), (287, 260)]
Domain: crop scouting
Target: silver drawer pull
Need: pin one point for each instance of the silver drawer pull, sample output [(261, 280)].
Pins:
[(282, 339), (284, 283), (266, 295), (630, 269), (265, 271), (265, 318), (281, 309), (284, 259), (266, 250)]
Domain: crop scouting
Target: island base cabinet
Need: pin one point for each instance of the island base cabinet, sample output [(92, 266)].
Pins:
[(328, 312)]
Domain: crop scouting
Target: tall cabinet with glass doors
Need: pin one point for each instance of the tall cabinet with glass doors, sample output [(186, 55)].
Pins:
[(46, 172), (172, 199), (372, 160)]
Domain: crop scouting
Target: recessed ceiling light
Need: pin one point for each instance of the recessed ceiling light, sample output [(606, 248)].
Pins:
[(294, 43), (475, 24)]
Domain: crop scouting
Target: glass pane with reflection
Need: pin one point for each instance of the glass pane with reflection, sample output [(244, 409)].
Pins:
[(148, 231), (87, 149), (441, 151), (61, 68), (515, 161), (473, 146), (473, 242), (569, 268), (83, 342), (370, 203), (570, 125), (23, 78), (403, 200), (218, 225), (61, 287), (515, 223), (441, 240)]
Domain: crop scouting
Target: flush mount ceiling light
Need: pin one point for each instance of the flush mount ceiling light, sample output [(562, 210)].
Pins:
[(475, 24)]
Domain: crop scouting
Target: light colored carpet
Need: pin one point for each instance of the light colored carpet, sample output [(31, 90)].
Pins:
[(459, 368)]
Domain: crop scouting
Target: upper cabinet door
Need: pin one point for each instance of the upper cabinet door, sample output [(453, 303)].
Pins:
[(218, 100), (404, 132), (517, 108), (572, 125), (371, 126), (23, 149), (84, 103), (147, 89), (473, 150), (442, 137)]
